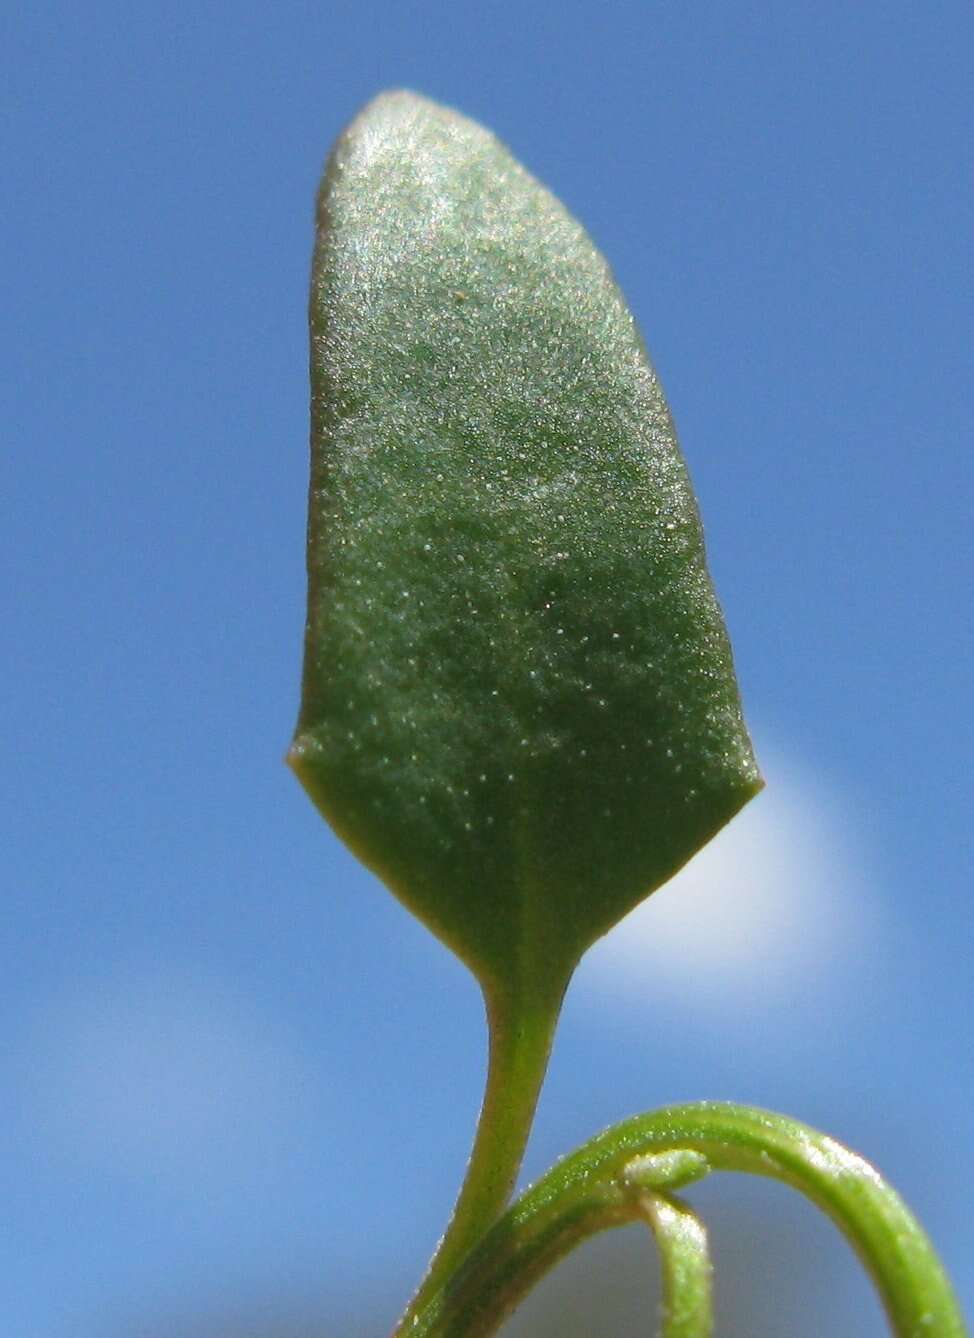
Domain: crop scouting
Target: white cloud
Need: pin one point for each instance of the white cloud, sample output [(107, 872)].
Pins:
[(778, 901)]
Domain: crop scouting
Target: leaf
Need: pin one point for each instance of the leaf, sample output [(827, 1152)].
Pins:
[(590, 1190), (519, 707)]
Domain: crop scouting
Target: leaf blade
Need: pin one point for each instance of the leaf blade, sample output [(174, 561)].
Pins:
[(519, 706)]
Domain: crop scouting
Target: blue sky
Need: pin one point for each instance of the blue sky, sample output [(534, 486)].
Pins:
[(237, 1077)]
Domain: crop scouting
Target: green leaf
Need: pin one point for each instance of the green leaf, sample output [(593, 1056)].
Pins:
[(519, 707), (600, 1186), (687, 1309)]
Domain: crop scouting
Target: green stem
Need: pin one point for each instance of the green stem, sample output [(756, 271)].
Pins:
[(520, 1030), (601, 1185), (681, 1239)]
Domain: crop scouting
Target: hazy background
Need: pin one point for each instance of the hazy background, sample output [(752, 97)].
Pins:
[(238, 1082)]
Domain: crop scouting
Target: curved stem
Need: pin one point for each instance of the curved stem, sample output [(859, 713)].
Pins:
[(600, 1186), (520, 1029), (681, 1239)]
